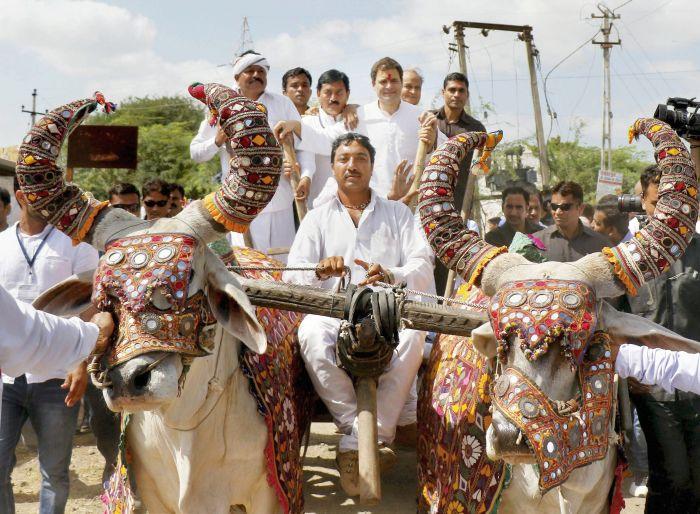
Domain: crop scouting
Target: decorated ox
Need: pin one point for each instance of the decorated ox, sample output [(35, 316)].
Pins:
[(198, 441), (521, 416)]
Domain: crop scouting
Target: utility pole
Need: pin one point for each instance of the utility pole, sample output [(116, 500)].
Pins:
[(532, 52), (461, 48), (33, 112), (524, 34), (606, 45)]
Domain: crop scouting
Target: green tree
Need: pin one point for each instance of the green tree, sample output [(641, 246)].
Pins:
[(166, 127)]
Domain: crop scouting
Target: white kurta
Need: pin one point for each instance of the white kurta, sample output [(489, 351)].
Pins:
[(38, 342), (394, 137), (274, 226), (57, 260), (322, 171), (655, 366), (386, 235)]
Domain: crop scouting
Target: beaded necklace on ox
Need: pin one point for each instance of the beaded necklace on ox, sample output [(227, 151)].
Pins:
[(563, 435)]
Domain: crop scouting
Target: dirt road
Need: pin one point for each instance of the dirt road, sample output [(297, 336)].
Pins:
[(323, 494)]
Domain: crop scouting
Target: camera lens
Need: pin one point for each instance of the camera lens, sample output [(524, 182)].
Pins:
[(629, 203)]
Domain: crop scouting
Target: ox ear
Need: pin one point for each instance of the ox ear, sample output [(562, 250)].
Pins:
[(484, 340), (231, 306), (631, 329), (70, 297)]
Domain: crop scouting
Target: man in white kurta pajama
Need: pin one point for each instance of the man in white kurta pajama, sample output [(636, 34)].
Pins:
[(358, 233), (274, 226)]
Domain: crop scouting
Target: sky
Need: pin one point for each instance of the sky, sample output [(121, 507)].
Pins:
[(67, 49)]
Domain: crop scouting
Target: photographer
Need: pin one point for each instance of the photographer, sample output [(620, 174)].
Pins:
[(670, 421)]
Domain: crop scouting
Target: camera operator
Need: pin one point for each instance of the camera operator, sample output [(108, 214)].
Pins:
[(671, 422)]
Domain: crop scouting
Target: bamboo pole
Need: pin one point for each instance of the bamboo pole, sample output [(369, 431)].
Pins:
[(291, 157), (418, 167)]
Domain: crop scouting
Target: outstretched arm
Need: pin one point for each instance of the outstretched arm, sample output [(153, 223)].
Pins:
[(655, 366)]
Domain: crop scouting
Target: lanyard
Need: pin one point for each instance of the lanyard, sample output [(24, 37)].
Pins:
[(30, 262)]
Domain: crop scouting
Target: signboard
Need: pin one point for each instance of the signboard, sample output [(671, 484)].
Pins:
[(609, 183), (103, 146)]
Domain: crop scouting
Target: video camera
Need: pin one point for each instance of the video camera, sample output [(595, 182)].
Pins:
[(686, 125)]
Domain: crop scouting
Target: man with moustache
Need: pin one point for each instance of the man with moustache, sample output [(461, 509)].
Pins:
[(274, 226), (412, 86), (296, 85), (393, 126), (376, 238)]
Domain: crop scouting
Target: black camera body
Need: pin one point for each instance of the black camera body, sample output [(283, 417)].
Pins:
[(686, 125)]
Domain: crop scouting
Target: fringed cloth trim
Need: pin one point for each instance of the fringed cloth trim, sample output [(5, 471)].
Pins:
[(94, 209), (230, 224), (622, 274), (475, 277)]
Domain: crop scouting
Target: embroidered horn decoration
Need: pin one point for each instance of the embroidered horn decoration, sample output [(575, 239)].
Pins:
[(65, 206), (458, 248), (257, 164), (666, 237)]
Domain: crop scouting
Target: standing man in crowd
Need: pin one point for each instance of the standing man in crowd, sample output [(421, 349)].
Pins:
[(452, 119), (156, 199), (670, 421), (514, 203), (412, 86), (5, 207), (568, 239), (610, 222), (393, 126), (125, 196), (274, 226), (296, 85), (177, 199), (535, 209), (35, 258), (377, 239)]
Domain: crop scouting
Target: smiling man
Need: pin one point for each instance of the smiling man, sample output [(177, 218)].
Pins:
[(412, 86), (274, 226), (378, 240)]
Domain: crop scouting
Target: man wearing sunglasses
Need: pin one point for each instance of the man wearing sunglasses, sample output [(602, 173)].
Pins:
[(125, 196), (568, 239), (156, 198)]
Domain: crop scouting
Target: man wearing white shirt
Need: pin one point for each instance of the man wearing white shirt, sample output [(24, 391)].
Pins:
[(274, 226), (36, 257), (377, 239), (393, 126)]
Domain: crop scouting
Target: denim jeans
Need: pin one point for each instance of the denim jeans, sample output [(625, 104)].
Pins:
[(54, 423)]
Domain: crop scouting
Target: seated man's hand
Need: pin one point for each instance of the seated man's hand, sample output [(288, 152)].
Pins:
[(76, 383), (285, 129), (401, 183), (375, 273), (350, 116), (330, 267), (302, 191)]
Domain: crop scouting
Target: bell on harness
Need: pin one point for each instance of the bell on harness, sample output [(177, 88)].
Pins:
[(369, 334)]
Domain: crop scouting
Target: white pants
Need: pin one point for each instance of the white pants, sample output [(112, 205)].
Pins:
[(269, 230), (317, 338)]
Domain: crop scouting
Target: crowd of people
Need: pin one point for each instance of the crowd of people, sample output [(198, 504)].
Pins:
[(354, 164)]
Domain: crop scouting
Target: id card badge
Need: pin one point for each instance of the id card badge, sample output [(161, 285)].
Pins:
[(27, 293)]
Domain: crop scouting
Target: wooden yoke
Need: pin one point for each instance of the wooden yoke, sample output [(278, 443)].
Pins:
[(290, 157)]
